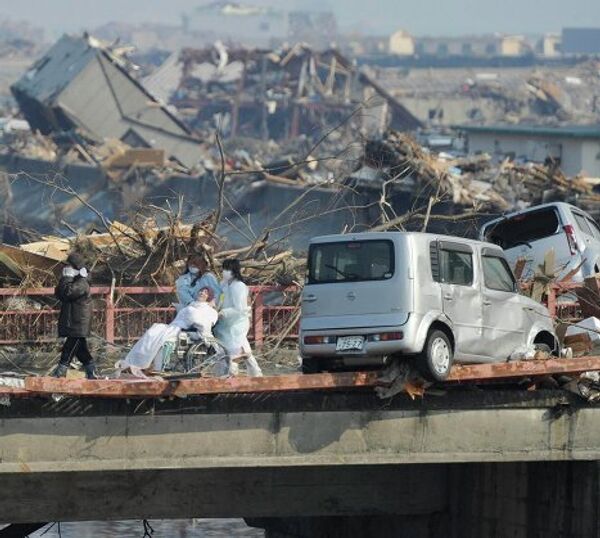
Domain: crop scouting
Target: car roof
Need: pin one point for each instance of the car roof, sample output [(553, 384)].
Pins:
[(558, 205), (388, 235)]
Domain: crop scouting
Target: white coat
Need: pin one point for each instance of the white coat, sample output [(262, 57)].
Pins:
[(233, 326), (199, 316)]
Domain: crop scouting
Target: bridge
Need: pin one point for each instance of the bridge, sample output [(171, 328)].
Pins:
[(463, 462)]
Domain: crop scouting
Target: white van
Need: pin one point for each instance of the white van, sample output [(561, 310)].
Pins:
[(370, 296), (530, 234)]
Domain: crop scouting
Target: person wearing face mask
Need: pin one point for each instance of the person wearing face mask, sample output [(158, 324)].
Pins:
[(73, 291), (234, 321), (196, 277)]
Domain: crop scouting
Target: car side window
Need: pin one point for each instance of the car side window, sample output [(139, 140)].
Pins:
[(582, 223), (456, 267), (594, 227), (497, 274)]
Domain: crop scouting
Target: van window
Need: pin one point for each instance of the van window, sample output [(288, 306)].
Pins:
[(524, 228), (456, 267), (582, 223), (350, 261), (497, 275), (594, 228)]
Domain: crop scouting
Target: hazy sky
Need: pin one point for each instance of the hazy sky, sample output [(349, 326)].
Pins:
[(420, 17)]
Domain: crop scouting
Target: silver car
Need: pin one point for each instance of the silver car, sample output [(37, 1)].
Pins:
[(531, 233), (371, 296)]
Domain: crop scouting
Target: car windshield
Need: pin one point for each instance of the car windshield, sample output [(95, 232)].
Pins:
[(350, 261), (523, 229)]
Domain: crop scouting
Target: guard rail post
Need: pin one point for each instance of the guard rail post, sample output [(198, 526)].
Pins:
[(259, 328)]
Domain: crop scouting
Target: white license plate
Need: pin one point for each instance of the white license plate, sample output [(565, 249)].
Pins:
[(350, 343)]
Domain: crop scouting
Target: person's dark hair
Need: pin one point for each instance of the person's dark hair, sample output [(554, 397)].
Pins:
[(76, 260), (233, 265), (209, 292)]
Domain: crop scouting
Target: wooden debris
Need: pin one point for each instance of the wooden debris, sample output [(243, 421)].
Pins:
[(581, 343), (116, 388)]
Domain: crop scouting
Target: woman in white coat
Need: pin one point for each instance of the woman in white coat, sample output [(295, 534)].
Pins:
[(199, 315), (234, 320)]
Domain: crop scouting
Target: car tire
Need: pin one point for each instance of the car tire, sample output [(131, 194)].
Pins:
[(437, 357), (311, 365), (543, 347)]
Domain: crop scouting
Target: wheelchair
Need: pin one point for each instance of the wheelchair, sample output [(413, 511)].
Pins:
[(192, 354)]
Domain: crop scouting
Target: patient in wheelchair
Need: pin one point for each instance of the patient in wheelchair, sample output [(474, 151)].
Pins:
[(200, 315)]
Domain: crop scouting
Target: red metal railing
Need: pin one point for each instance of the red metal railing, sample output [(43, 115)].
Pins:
[(122, 318)]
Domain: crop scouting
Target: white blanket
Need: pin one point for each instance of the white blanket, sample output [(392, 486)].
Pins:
[(146, 351)]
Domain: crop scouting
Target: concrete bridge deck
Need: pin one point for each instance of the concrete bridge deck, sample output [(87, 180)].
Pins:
[(273, 455)]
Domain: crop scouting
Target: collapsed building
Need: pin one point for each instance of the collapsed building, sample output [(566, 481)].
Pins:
[(79, 84), (540, 95), (275, 94)]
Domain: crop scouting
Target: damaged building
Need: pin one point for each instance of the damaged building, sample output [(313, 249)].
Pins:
[(276, 94), (80, 84)]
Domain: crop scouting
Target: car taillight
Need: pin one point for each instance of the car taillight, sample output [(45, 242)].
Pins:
[(570, 231), (315, 340), (392, 336), (384, 337)]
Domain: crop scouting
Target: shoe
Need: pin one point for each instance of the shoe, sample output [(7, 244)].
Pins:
[(90, 371), (60, 371)]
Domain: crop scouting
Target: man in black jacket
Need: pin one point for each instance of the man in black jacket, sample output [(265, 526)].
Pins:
[(75, 317)]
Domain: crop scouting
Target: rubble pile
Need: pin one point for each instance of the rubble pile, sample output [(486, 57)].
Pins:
[(471, 181), (143, 253)]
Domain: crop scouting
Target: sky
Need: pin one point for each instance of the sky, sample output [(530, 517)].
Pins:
[(377, 17)]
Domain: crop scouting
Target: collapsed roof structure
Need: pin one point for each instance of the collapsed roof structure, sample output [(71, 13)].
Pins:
[(276, 94), (81, 84)]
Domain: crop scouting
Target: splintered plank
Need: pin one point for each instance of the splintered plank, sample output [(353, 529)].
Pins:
[(129, 388), (508, 370)]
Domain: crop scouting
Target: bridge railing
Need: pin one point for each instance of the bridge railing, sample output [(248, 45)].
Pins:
[(122, 314)]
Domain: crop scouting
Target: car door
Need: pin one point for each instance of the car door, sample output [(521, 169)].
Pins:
[(461, 297), (593, 255), (505, 321)]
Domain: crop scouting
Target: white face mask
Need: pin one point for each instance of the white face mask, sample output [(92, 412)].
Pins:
[(194, 270), (70, 272), (227, 275)]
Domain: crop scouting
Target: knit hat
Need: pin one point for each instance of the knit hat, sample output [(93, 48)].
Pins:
[(76, 260)]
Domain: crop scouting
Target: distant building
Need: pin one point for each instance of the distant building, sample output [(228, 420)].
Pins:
[(317, 29), (471, 46), (575, 148), (402, 43), (80, 84), (234, 23), (581, 40), (550, 46)]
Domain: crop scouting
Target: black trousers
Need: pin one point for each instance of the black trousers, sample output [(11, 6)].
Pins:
[(75, 347)]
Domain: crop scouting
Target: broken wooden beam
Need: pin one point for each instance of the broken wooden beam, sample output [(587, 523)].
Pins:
[(158, 388), (532, 368)]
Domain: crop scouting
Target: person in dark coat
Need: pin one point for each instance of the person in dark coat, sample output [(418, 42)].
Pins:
[(75, 317)]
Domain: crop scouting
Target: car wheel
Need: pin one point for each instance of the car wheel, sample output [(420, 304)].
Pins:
[(311, 365), (437, 356), (543, 347)]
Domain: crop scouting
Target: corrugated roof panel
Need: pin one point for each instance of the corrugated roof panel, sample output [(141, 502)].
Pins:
[(89, 99), (56, 69)]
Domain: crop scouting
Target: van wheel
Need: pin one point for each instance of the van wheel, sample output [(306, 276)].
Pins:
[(437, 357), (543, 347), (311, 365)]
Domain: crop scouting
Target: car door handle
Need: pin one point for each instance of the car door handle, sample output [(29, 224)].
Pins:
[(448, 297), (487, 303), (309, 298)]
